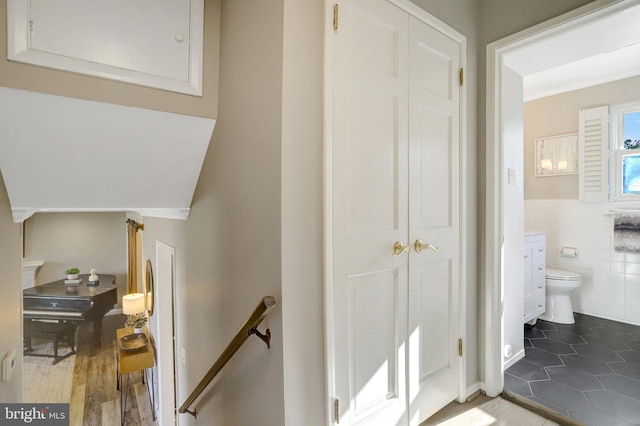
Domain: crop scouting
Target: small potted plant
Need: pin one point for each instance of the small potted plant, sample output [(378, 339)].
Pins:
[(138, 323), (72, 273)]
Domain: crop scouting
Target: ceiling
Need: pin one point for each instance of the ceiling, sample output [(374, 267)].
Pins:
[(602, 51), (63, 154)]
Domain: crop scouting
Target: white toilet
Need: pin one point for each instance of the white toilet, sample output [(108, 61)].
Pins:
[(560, 284)]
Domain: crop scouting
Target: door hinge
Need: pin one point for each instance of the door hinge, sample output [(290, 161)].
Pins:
[(335, 17), (336, 410), (461, 76), (459, 347)]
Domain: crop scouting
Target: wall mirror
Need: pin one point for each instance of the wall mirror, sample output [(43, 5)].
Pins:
[(557, 155), (150, 289)]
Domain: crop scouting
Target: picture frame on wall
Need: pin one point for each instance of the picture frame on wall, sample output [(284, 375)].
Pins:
[(556, 155)]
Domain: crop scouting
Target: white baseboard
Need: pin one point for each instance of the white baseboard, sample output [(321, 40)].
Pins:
[(517, 357), (472, 390)]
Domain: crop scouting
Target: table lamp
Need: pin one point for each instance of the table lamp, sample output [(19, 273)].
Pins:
[(133, 305)]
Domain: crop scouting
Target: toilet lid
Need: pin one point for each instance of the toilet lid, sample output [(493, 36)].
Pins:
[(557, 274)]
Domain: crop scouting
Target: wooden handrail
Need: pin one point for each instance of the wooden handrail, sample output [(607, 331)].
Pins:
[(248, 328)]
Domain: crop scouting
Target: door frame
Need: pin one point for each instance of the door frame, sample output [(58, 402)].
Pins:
[(491, 309), (448, 31), (167, 371)]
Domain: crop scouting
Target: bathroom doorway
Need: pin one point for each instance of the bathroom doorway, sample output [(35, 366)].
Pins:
[(504, 171)]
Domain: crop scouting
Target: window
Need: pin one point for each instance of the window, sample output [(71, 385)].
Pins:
[(625, 164)]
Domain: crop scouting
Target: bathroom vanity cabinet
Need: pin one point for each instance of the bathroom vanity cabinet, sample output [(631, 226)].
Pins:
[(534, 276)]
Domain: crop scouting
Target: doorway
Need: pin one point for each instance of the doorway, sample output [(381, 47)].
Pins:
[(501, 81)]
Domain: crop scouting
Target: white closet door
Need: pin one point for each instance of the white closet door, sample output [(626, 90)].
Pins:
[(434, 206), (370, 212), (395, 179)]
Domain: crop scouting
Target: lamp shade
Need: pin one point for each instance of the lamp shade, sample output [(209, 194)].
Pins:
[(133, 304)]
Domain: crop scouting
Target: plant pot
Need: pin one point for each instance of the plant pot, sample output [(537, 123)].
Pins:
[(72, 276), (137, 329)]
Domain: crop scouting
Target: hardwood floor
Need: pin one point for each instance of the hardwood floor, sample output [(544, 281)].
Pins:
[(485, 411), (87, 380)]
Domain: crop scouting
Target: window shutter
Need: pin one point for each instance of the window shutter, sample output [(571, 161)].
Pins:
[(593, 140)]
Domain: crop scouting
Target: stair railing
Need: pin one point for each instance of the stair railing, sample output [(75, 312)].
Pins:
[(248, 328)]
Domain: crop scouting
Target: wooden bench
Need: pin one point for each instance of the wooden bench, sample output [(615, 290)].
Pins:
[(56, 331)]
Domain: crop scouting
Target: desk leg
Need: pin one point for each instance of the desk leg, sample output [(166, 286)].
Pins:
[(151, 392), (123, 401), (118, 375)]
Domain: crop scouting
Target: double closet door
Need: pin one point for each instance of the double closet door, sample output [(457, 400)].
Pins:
[(395, 216)]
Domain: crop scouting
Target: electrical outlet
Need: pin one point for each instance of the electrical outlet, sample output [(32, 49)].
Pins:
[(183, 356), (508, 351)]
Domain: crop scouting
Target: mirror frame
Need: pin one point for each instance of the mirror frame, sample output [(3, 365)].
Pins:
[(149, 288)]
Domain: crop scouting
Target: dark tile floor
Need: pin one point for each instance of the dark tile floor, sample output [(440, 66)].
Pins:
[(589, 371)]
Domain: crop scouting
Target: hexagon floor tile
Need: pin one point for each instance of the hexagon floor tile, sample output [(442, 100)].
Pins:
[(589, 370)]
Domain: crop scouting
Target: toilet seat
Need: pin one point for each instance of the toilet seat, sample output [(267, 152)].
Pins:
[(557, 274)]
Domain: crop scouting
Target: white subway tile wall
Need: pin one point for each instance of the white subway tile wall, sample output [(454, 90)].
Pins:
[(610, 281)]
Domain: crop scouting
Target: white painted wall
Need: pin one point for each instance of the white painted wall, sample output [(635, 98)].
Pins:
[(513, 248)]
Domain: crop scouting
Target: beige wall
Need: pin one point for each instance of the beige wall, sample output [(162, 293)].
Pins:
[(301, 213), (228, 254), (85, 240), (44, 80), (10, 297), (557, 115)]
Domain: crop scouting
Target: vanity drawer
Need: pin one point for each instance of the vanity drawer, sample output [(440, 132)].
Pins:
[(538, 305), (539, 287)]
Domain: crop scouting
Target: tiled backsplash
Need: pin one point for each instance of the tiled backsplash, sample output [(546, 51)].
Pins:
[(610, 281)]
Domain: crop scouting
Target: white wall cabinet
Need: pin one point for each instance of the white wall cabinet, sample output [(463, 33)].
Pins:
[(150, 43), (534, 276)]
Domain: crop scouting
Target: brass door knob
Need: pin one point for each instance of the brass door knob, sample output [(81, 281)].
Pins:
[(419, 246), (399, 248)]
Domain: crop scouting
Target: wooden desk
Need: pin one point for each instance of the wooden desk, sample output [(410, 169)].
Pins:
[(129, 362), (134, 361)]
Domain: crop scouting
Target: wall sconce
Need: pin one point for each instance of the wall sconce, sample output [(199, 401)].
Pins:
[(133, 304), (562, 165), (546, 164)]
